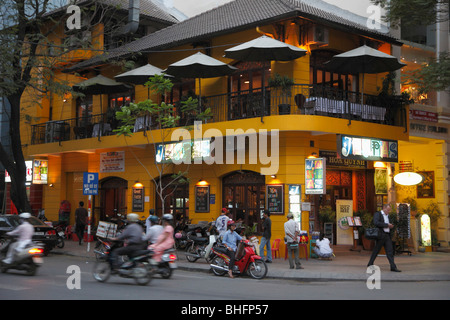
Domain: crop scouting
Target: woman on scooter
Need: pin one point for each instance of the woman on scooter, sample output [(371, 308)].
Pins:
[(230, 239), (165, 240)]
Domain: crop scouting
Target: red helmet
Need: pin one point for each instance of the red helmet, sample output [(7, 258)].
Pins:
[(231, 223), (225, 210)]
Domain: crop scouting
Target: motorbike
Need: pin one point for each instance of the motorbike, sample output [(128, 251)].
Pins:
[(201, 247), (28, 258), (180, 237), (246, 261), (136, 267), (58, 226), (167, 264)]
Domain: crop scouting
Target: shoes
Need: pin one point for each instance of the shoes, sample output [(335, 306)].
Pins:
[(268, 261), (395, 270), (299, 267)]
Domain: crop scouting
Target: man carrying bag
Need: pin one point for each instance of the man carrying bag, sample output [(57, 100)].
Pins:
[(292, 231)]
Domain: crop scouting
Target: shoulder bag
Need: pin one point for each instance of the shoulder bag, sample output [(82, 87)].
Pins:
[(372, 233)]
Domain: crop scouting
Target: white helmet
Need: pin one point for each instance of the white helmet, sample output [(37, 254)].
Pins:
[(167, 217), (133, 217), (25, 215)]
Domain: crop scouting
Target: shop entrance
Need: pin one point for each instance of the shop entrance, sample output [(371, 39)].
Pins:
[(112, 192), (176, 199), (244, 196)]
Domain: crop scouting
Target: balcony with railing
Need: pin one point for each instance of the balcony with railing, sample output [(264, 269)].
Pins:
[(314, 100)]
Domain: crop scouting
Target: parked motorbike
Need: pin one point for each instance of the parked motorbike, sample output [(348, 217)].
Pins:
[(136, 267), (58, 226), (246, 261), (28, 258), (180, 234), (200, 247)]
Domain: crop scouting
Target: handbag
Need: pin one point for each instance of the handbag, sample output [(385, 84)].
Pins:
[(372, 233)]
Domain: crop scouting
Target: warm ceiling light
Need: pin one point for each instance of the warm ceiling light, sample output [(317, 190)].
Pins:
[(312, 156), (408, 178), (379, 165), (202, 182), (138, 185)]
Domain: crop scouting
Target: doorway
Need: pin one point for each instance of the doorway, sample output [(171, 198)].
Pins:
[(113, 195), (244, 196)]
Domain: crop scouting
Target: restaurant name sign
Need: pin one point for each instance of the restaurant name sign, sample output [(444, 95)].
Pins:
[(362, 148)]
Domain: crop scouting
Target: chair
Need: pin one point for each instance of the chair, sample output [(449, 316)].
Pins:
[(68, 232), (275, 248)]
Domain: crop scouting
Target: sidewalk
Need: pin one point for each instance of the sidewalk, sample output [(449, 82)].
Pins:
[(346, 266)]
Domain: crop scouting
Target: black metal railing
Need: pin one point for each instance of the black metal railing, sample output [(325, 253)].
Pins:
[(297, 99)]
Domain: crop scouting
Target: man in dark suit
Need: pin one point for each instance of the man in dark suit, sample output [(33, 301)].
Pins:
[(381, 221)]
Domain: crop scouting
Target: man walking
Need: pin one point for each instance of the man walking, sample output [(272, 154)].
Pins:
[(265, 240), (381, 221), (292, 231), (81, 216)]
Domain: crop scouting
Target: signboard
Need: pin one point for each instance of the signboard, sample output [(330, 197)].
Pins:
[(423, 115), (183, 151), (315, 175), (362, 148), (40, 171), (274, 196), (90, 183), (138, 198), (332, 160), (201, 198), (295, 205), (106, 229), (344, 209), (112, 161)]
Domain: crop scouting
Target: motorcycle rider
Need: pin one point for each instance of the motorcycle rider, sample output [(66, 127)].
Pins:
[(165, 240), (154, 229), (24, 232), (230, 239), (132, 235)]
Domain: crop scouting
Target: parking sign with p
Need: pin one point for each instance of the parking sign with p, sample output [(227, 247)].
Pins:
[(90, 183)]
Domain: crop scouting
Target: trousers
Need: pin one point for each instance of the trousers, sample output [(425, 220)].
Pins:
[(385, 241)]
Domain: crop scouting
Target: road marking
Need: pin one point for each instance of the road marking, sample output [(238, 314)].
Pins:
[(12, 287)]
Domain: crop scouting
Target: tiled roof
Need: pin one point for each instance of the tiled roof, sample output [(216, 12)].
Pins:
[(147, 9), (233, 16)]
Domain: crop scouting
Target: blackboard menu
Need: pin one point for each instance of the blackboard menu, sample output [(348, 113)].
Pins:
[(201, 198), (275, 198), (138, 199)]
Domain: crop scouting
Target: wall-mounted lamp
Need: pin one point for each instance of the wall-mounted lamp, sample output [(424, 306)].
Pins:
[(202, 182), (379, 165), (312, 155), (51, 185), (138, 184), (273, 176)]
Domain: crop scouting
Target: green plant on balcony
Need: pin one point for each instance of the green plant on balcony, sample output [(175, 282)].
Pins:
[(283, 84)]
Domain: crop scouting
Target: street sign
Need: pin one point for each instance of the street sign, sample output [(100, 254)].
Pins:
[(90, 183)]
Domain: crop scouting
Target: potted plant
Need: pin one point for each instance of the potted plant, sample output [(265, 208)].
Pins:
[(326, 215), (367, 222), (284, 83), (412, 205)]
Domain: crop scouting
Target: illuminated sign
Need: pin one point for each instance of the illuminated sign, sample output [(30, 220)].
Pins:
[(183, 151), (361, 148), (315, 175), (40, 171)]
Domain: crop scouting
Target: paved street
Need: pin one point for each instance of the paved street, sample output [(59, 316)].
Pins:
[(51, 283)]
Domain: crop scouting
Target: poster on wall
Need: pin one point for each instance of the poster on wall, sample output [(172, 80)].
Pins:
[(380, 181), (364, 148), (295, 205), (112, 161), (315, 175), (201, 198), (29, 173), (40, 171), (425, 189), (344, 233), (138, 197)]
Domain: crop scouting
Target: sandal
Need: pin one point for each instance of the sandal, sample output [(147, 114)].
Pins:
[(230, 274)]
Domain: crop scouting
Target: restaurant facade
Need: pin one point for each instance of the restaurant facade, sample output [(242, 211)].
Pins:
[(325, 149)]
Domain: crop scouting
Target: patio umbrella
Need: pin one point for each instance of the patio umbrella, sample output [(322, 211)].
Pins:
[(264, 49), (140, 75), (100, 85), (199, 66), (363, 60)]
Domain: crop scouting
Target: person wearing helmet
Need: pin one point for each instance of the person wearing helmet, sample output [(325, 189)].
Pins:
[(154, 229), (24, 232), (222, 222), (165, 240), (132, 236), (230, 239)]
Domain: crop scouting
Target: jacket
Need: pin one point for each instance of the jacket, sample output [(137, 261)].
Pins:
[(378, 221)]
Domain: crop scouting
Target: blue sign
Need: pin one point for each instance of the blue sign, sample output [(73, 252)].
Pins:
[(90, 183)]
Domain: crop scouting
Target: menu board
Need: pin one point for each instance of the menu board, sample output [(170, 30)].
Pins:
[(138, 199), (274, 196), (201, 198), (315, 175)]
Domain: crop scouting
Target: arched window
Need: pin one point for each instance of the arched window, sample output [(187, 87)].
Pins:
[(176, 199)]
